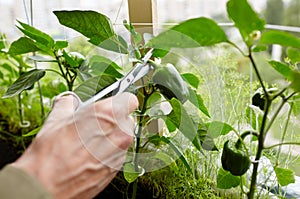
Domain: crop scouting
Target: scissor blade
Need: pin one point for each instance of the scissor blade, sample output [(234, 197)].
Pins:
[(102, 93), (138, 71)]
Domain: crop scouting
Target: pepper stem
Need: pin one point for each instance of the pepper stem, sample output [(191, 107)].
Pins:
[(243, 136)]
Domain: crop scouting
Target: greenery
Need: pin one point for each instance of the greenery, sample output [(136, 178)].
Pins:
[(188, 156)]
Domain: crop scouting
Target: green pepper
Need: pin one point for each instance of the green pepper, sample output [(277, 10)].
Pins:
[(259, 99), (170, 83), (235, 158)]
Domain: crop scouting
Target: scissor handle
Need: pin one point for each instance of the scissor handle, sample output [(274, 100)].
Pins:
[(66, 93)]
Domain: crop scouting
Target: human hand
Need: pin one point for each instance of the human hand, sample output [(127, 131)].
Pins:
[(78, 152)]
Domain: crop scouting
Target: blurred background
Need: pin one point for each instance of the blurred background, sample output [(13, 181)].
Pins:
[(277, 12)]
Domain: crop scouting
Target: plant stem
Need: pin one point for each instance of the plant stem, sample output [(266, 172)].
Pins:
[(138, 140), (258, 76), (282, 143), (35, 63), (261, 137), (20, 109), (134, 189), (284, 100), (63, 74), (284, 131)]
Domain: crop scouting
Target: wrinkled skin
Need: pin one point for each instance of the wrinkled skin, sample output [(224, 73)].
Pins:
[(78, 152)]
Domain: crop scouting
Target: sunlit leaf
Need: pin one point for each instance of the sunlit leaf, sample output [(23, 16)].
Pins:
[(217, 128), (293, 55), (2, 41), (166, 158), (24, 82), (197, 101), (53, 88), (95, 26), (39, 58), (180, 118), (42, 40), (192, 79), (280, 38), (60, 45), (70, 60), (283, 69), (245, 19), (260, 48), (173, 147), (101, 65), (254, 116), (22, 45), (190, 34), (137, 37), (130, 173), (207, 142), (296, 104), (93, 85), (157, 106), (295, 81), (32, 133), (225, 180), (284, 176)]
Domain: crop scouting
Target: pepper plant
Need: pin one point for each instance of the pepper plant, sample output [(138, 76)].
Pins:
[(200, 32), (169, 95), (87, 76)]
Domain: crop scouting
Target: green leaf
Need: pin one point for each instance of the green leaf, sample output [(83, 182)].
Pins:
[(60, 45), (137, 37), (95, 26), (190, 34), (166, 158), (166, 140), (245, 19), (93, 85), (260, 48), (170, 126), (225, 180), (293, 54), (2, 41), (24, 82), (180, 118), (42, 58), (280, 38), (192, 79), (283, 69), (102, 65), (43, 40), (33, 132), (207, 142), (160, 52), (72, 62), (284, 176), (295, 81), (296, 105), (197, 101), (255, 116), (53, 88), (154, 105), (22, 45), (217, 128), (130, 173)]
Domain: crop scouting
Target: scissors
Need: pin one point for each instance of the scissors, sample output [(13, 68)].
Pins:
[(137, 72)]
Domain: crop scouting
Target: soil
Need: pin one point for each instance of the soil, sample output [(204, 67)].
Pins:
[(8, 152)]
